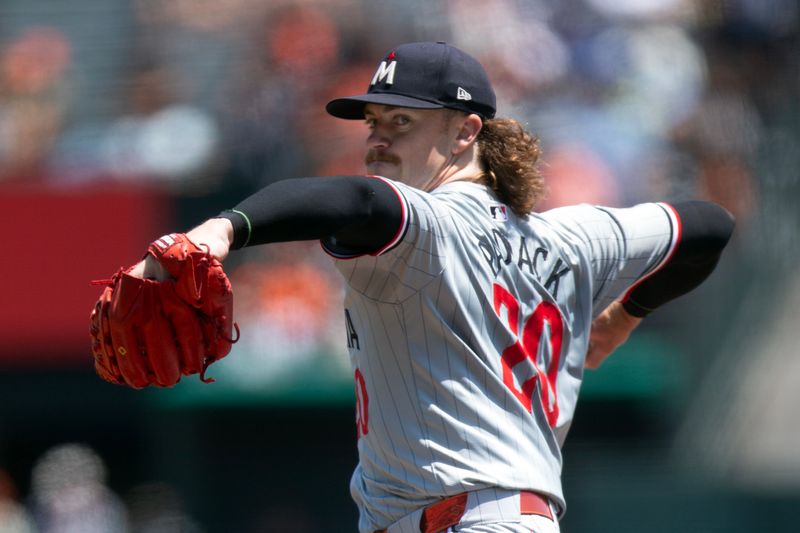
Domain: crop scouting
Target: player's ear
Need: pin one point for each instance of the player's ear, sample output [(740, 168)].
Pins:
[(468, 128)]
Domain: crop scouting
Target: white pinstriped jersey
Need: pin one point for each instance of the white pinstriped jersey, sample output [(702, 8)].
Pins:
[(468, 334)]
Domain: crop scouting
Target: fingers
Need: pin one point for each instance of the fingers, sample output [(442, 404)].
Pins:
[(129, 357), (610, 330), (601, 341), (185, 323), (595, 356), (157, 339), (154, 337), (219, 306), (102, 347), (129, 304)]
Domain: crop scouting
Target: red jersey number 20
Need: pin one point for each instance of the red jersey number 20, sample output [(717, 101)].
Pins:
[(527, 347), (362, 405)]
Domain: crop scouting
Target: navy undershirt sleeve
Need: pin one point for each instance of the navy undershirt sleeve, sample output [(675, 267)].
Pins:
[(706, 229), (360, 213)]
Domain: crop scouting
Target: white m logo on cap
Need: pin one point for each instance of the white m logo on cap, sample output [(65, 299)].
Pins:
[(384, 73)]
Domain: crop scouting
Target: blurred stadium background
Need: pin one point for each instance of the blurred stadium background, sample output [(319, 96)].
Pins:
[(124, 119)]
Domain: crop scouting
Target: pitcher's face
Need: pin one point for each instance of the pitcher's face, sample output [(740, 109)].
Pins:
[(406, 144)]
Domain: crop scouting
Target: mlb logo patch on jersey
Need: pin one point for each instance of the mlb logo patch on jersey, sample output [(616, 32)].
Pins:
[(498, 212)]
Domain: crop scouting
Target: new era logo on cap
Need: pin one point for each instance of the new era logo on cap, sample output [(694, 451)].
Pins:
[(424, 76)]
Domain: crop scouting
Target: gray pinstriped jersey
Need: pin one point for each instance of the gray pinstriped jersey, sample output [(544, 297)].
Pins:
[(468, 336)]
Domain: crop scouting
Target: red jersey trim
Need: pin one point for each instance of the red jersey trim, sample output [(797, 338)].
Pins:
[(394, 241), (675, 223), (401, 230)]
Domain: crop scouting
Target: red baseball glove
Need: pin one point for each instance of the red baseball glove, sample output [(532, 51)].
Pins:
[(147, 332)]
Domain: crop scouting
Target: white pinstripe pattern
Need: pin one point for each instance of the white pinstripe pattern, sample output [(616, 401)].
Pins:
[(441, 421)]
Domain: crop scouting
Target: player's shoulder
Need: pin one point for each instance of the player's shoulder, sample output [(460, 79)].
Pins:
[(453, 200), (587, 221), (593, 213), (572, 219), (453, 192), (474, 199), (575, 212)]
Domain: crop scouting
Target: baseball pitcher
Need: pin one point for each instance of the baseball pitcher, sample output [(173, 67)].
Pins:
[(470, 317)]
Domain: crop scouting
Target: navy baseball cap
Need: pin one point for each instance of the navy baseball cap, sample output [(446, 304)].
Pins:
[(424, 76)]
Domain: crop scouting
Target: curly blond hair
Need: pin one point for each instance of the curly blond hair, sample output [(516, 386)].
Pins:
[(508, 156)]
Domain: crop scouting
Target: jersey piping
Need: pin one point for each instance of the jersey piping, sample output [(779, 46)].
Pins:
[(675, 224), (393, 242)]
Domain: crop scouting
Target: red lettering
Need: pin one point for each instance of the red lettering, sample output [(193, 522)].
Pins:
[(362, 405), (526, 347)]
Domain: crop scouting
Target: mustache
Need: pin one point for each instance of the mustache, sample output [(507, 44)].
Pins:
[(375, 156)]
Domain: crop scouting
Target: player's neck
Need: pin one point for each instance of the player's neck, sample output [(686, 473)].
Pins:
[(465, 167)]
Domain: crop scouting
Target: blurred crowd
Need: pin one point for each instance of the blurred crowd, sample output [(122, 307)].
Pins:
[(633, 100), (69, 493)]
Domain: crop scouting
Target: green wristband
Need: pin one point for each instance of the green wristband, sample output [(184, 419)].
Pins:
[(249, 226)]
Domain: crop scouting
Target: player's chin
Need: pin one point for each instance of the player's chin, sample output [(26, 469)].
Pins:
[(383, 168)]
